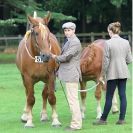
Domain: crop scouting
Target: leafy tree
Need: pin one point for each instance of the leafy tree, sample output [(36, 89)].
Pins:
[(89, 15), (19, 10), (93, 15)]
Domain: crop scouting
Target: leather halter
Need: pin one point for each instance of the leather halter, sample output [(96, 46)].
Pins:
[(36, 42)]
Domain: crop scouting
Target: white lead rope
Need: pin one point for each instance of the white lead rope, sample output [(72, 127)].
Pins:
[(89, 88), (28, 51), (92, 87)]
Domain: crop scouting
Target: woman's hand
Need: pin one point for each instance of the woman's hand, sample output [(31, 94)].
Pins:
[(101, 79)]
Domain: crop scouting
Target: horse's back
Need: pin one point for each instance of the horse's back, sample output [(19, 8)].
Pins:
[(100, 43), (91, 60)]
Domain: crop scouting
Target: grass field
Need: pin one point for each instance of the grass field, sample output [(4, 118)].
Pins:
[(12, 100), (7, 58)]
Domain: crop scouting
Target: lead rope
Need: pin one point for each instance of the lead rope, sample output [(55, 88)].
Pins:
[(26, 37), (28, 51), (89, 88), (64, 93), (102, 81)]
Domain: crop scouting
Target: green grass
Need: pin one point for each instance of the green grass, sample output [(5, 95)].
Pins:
[(7, 58), (12, 100)]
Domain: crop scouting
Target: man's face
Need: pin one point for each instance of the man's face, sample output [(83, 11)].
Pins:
[(69, 32)]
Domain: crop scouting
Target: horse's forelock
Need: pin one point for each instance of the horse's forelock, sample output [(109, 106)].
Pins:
[(43, 30)]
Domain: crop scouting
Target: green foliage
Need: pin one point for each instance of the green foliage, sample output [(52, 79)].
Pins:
[(28, 7), (118, 3), (90, 15), (23, 5), (11, 22), (58, 17)]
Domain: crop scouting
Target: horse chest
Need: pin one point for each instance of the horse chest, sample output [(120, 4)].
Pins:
[(40, 69)]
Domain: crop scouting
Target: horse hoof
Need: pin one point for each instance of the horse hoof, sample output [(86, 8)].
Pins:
[(83, 117), (44, 117), (27, 125), (45, 120), (98, 117), (56, 126), (115, 112), (24, 118), (24, 121)]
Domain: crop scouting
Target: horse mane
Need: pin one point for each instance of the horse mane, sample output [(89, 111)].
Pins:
[(88, 53), (54, 42), (87, 56), (91, 54)]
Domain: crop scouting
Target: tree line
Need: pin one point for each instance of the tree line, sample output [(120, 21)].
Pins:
[(89, 15)]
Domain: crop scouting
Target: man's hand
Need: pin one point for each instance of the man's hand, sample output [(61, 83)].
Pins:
[(53, 56)]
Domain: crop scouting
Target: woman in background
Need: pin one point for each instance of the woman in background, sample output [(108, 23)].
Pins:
[(117, 56)]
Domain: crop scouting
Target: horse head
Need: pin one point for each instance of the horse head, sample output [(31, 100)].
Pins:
[(40, 36)]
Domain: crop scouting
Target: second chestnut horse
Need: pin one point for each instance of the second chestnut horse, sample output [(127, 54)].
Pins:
[(91, 66)]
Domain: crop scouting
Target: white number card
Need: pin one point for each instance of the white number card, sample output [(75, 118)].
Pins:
[(38, 59)]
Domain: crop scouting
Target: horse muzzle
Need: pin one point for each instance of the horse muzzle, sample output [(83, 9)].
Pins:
[(45, 57)]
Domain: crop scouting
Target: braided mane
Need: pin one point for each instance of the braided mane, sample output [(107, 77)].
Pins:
[(87, 57)]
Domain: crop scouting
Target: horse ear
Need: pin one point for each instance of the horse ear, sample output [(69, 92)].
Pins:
[(47, 18), (32, 20)]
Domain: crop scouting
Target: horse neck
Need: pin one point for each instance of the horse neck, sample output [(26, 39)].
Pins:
[(55, 47), (31, 47)]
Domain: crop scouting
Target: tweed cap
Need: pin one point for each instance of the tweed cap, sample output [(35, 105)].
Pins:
[(69, 25)]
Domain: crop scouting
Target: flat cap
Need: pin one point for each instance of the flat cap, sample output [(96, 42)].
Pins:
[(69, 25)]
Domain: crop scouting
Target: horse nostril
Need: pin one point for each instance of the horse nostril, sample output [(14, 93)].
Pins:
[(45, 57)]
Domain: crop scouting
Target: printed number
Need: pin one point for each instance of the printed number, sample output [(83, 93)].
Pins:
[(38, 59)]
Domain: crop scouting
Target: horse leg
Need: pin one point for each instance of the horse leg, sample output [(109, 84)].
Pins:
[(83, 98), (52, 101), (24, 116), (98, 98), (30, 100), (114, 104), (44, 116)]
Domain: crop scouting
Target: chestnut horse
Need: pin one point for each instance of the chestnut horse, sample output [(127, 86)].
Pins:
[(91, 66), (35, 65)]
